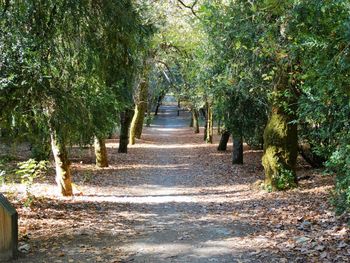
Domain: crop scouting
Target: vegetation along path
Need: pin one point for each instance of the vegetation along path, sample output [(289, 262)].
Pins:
[(173, 198)]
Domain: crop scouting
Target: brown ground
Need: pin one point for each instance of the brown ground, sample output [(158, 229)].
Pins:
[(174, 198)]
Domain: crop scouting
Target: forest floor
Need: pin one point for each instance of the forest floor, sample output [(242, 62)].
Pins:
[(173, 198)]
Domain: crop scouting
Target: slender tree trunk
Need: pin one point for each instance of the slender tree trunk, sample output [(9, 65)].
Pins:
[(204, 113), (125, 121), (178, 107), (157, 109), (101, 152), (139, 114), (281, 142), (195, 117), (225, 136), (237, 154), (159, 102), (63, 173), (210, 125)]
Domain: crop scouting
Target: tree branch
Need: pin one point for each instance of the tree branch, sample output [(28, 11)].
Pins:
[(191, 7)]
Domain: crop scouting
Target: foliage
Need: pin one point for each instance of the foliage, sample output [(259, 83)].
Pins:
[(339, 163), (29, 171)]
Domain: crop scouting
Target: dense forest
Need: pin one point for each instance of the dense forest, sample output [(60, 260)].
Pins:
[(271, 75)]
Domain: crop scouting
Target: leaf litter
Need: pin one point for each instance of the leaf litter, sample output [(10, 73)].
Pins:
[(173, 198)]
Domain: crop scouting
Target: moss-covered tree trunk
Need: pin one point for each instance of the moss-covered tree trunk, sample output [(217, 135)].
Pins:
[(125, 121), (139, 113), (210, 125), (281, 140), (63, 172), (101, 152), (237, 154), (195, 117), (225, 136)]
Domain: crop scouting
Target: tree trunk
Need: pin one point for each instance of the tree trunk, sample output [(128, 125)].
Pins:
[(157, 109), (237, 154), (63, 173), (210, 125), (125, 121), (178, 107), (204, 113), (139, 114), (159, 102), (195, 117), (225, 136), (101, 152), (280, 142)]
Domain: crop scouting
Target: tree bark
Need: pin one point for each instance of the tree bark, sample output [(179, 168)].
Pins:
[(281, 141), (204, 113), (225, 136), (195, 117), (237, 154), (63, 173), (125, 121), (159, 103), (210, 125), (101, 152), (139, 114)]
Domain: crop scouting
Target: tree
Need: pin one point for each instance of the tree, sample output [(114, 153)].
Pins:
[(56, 57)]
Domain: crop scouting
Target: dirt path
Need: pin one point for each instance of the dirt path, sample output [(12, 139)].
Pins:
[(178, 227), (173, 198)]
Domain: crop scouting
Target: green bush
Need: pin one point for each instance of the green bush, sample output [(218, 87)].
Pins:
[(28, 171), (339, 163)]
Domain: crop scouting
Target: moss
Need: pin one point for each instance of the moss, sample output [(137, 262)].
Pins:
[(195, 116), (62, 163), (280, 152), (101, 152), (139, 115)]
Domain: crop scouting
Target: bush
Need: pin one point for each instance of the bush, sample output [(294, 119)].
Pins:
[(28, 171), (339, 163)]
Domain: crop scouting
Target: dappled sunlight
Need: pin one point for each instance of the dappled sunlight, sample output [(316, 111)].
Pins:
[(172, 198), (173, 129), (149, 166), (161, 250), (171, 146), (209, 249)]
